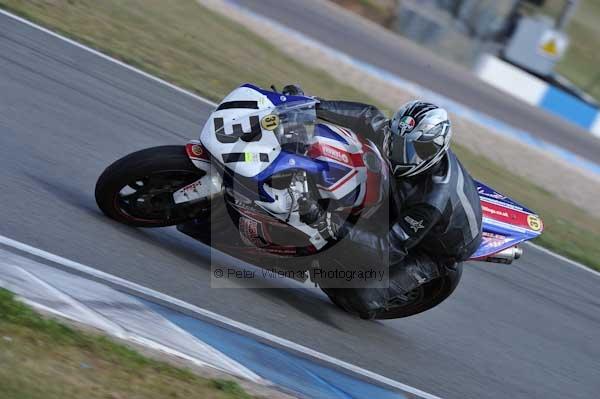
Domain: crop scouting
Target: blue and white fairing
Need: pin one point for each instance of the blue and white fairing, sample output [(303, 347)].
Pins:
[(253, 134), (234, 134)]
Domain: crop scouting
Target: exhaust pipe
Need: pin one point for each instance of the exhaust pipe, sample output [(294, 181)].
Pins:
[(506, 256)]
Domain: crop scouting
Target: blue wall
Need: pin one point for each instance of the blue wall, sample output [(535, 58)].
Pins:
[(569, 107)]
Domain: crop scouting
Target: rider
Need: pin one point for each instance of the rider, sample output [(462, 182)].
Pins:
[(435, 213)]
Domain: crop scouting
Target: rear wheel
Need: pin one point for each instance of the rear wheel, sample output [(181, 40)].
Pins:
[(418, 300), (424, 297), (137, 190)]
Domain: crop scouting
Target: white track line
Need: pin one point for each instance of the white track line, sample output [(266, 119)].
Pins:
[(214, 358), (205, 100), (207, 314), (564, 259), (129, 337), (96, 319)]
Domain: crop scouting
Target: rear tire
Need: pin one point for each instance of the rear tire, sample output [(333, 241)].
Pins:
[(429, 296), (153, 174), (422, 298)]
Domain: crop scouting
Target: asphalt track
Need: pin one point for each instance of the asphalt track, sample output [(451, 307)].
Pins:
[(525, 331), (322, 21)]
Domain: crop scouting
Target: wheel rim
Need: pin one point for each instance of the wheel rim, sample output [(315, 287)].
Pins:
[(150, 198)]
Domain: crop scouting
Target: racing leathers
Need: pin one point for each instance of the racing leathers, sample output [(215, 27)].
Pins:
[(435, 218)]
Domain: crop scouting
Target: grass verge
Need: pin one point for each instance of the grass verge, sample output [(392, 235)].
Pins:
[(195, 48), (42, 358)]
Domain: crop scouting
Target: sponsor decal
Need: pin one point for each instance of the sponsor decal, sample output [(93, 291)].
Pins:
[(250, 157), (487, 234), (406, 124), (336, 154), (494, 240), (495, 212), (492, 194), (192, 187), (534, 222), (415, 225), (270, 122), (189, 193), (197, 150), (514, 217), (250, 232)]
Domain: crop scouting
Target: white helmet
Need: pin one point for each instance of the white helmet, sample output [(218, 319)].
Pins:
[(418, 137)]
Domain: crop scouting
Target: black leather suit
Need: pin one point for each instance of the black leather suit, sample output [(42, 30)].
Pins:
[(435, 217)]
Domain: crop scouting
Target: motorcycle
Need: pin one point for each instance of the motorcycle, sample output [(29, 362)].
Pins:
[(238, 189)]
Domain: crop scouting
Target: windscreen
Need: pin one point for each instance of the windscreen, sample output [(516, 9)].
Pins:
[(293, 125)]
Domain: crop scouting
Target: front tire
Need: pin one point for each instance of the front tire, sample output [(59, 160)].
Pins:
[(137, 190)]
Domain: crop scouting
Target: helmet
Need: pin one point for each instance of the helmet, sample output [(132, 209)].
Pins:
[(417, 139)]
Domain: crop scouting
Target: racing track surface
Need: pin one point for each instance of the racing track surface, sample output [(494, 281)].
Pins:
[(524, 331), (321, 21)]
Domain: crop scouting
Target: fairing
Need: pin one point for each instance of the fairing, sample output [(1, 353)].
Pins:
[(345, 167), (246, 131)]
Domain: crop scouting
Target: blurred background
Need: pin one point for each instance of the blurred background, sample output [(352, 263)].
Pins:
[(551, 39)]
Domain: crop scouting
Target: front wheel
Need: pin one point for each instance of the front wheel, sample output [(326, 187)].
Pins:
[(137, 190)]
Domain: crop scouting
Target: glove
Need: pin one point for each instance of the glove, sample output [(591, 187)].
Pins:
[(312, 214), (292, 90), (309, 210), (328, 226)]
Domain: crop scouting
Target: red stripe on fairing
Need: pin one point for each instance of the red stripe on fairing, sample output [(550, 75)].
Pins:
[(373, 189), (504, 214), (340, 183)]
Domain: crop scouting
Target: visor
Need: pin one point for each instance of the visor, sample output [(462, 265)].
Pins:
[(411, 150)]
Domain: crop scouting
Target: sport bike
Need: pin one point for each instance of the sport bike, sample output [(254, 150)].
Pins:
[(238, 187)]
